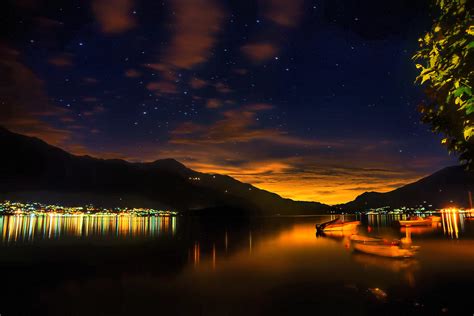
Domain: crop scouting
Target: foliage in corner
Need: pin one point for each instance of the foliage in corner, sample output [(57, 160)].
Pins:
[(446, 64)]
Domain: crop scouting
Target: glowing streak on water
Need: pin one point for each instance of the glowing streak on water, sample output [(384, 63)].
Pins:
[(27, 228)]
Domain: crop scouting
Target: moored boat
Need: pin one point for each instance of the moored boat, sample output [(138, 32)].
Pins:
[(342, 226), (384, 250), (434, 218), (366, 239), (320, 227), (337, 225), (416, 221), (337, 234)]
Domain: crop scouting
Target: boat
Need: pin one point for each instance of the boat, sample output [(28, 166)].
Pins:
[(385, 250), (320, 227), (366, 239), (434, 218), (336, 234), (416, 221), (346, 226), (337, 225)]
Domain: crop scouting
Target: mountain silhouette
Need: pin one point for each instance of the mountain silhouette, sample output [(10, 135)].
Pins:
[(448, 187), (32, 170)]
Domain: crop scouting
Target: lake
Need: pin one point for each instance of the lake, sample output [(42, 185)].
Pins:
[(124, 265)]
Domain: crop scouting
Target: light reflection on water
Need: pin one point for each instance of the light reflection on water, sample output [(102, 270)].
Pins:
[(21, 228), (452, 224), (262, 266)]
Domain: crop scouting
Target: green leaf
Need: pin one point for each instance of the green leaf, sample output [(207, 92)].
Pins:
[(462, 90)]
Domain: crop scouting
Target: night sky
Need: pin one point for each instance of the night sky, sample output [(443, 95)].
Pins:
[(313, 100)]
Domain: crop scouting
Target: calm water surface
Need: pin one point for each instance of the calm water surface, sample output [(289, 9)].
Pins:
[(92, 265)]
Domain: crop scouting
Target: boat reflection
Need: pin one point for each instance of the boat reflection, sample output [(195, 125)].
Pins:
[(407, 267), (420, 230), (386, 263), (337, 235), (20, 228)]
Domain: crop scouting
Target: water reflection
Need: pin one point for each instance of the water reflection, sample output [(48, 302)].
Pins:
[(452, 223), (406, 267), (386, 263), (25, 228), (377, 220), (420, 230), (267, 266), (21, 228)]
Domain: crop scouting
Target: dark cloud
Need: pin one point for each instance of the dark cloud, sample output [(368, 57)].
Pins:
[(222, 88), (114, 16), (132, 73), (213, 103), (194, 27), (61, 60), (260, 52), (26, 112), (285, 13), (160, 87), (197, 83)]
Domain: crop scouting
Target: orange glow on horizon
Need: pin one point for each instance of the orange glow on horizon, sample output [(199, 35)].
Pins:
[(280, 178)]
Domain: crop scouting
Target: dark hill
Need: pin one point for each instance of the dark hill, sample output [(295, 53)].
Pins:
[(447, 187), (30, 169)]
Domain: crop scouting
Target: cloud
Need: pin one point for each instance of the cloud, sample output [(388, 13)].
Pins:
[(329, 182), (240, 71), (90, 80), (114, 16), (27, 4), (30, 113), (331, 171), (316, 176), (213, 103), (62, 60), (94, 111), (90, 99), (33, 126), (286, 13), (194, 27), (197, 83), (259, 52), (196, 24), (162, 87), (222, 88), (334, 175), (236, 126), (266, 44), (132, 73)]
